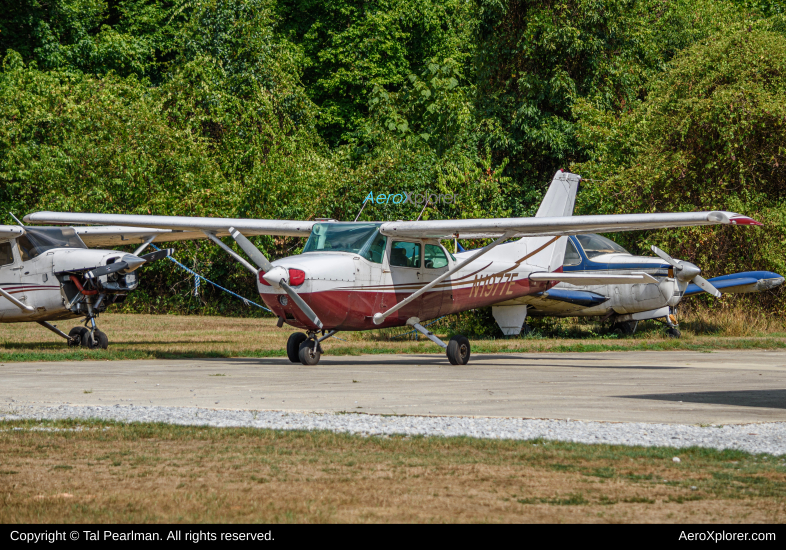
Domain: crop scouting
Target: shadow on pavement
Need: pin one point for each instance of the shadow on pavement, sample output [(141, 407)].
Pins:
[(771, 399)]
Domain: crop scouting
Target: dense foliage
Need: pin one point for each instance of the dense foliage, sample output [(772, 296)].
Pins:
[(299, 109)]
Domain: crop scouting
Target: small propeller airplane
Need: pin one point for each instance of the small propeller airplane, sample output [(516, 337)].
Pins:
[(49, 273), (624, 305), (354, 276)]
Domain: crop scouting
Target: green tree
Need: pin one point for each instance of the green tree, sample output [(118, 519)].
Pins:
[(711, 135)]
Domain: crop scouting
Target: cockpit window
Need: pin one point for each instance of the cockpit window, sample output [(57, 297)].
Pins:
[(571, 255), (340, 237), (38, 240), (595, 245)]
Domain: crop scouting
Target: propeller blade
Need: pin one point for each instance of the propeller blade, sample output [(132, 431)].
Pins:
[(258, 258), (665, 257), (706, 286), (106, 270), (252, 251), (158, 254), (301, 304)]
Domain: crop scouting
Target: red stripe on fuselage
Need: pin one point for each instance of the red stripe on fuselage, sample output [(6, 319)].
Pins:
[(347, 309)]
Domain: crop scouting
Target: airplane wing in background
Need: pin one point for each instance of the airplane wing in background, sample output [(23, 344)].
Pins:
[(741, 283)]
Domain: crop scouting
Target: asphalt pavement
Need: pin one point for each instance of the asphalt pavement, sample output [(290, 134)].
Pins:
[(674, 387)]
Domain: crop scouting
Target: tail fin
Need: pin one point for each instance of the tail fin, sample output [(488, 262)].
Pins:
[(559, 201), (561, 196)]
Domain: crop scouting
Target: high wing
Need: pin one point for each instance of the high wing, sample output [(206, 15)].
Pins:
[(194, 225), (437, 229), (563, 225)]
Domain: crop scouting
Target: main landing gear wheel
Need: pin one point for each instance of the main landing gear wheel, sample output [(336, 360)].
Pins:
[(306, 353), (672, 332), (76, 336), (102, 340), (293, 346), (458, 350)]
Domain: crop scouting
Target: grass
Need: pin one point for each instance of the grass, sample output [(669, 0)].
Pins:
[(174, 336), (112, 472)]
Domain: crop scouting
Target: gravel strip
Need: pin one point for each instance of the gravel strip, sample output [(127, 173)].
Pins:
[(754, 438)]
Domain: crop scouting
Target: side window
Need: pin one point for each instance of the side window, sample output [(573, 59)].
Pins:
[(26, 249), (6, 255), (434, 257), (571, 254), (404, 254), (376, 250)]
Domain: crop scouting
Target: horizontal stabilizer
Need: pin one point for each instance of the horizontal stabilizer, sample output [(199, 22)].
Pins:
[(583, 278)]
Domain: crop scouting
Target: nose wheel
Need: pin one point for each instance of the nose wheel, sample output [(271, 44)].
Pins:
[(306, 348), (310, 351)]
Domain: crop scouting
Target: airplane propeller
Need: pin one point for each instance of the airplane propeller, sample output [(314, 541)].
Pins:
[(128, 263), (687, 271), (277, 276)]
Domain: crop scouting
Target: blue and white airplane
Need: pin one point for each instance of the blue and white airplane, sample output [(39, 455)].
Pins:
[(624, 304)]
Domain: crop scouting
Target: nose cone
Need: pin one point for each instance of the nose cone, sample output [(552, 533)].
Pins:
[(275, 275), (687, 271), (132, 261)]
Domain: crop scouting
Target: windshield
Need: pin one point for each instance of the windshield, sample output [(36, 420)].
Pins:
[(340, 237), (38, 240), (595, 245)]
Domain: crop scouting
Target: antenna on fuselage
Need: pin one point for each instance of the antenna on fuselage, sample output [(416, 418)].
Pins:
[(17, 220), (428, 201), (361, 209)]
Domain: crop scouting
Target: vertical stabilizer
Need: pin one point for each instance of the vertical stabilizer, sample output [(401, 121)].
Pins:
[(561, 196), (559, 201)]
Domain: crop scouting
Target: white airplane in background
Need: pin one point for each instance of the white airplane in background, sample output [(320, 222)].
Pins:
[(49, 274), (361, 275), (624, 305)]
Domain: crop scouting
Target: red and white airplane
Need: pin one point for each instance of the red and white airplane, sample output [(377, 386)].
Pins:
[(355, 276)]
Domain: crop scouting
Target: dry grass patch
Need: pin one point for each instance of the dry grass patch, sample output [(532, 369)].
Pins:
[(108, 472)]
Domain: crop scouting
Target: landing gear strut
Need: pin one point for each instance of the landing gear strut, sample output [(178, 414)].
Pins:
[(671, 321), (457, 349)]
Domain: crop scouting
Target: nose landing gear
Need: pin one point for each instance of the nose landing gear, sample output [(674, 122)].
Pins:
[(306, 348)]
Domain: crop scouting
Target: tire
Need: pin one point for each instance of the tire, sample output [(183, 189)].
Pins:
[(458, 350), (306, 354), (626, 328), (293, 346), (87, 341), (672, 332), (76, 335), (102, 339)]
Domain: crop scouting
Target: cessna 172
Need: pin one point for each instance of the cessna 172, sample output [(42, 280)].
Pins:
[(361, 275), (48, 274), (625, 305)]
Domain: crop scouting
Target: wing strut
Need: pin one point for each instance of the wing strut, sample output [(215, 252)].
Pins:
[(16, 302), (379, 318), (231, 252)]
